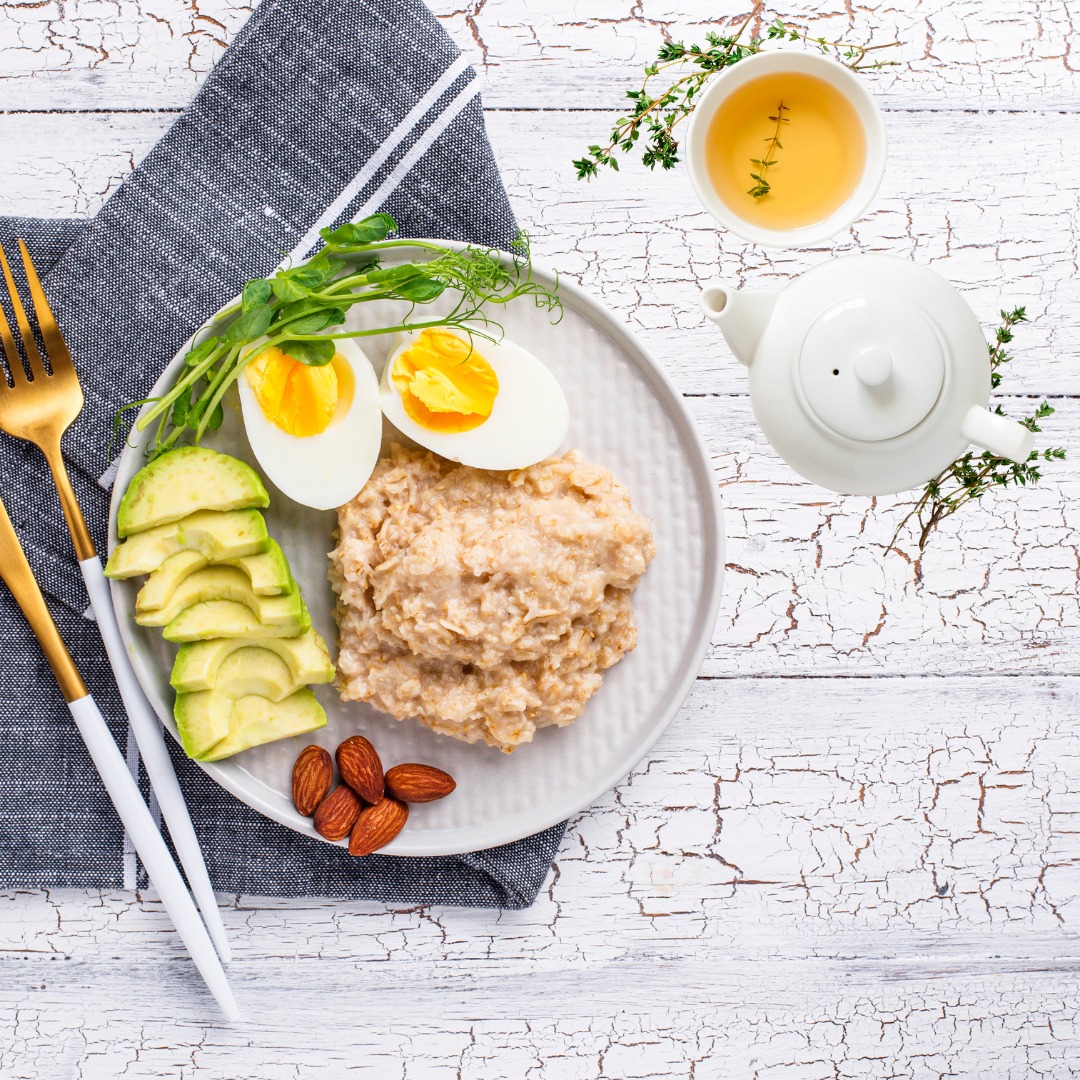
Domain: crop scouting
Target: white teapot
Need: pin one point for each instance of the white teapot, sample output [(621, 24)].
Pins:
[(868, 374)]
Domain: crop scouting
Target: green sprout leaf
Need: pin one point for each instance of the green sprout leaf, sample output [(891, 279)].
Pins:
[(307, 316), (249, 324), (303, 310), (255, 294), (317, 353), (201, 351), (359, 233)]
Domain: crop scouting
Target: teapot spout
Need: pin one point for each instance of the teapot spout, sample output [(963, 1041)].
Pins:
[(741, 315), (1002, 437)]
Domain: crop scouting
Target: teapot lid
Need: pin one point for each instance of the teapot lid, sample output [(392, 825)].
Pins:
[(871, 367)]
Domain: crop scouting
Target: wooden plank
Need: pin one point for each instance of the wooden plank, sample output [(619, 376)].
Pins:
[(644, 1020), (877, 875), (82, 54), (921, 818), (1001, 232)]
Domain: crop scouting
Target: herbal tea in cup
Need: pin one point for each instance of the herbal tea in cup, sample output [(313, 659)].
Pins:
[(786, 149)]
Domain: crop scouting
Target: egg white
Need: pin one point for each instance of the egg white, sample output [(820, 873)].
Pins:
[(326, 470), (529, 420)]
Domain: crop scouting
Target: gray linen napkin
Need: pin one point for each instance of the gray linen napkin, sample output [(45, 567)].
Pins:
[(321, 111)]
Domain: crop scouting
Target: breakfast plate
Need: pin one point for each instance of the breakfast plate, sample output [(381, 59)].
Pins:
[(624, 415)]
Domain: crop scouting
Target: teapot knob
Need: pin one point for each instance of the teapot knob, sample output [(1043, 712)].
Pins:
[(873, 366)]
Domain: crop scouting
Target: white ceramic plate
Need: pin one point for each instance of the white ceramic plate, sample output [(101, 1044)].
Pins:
[(625, 415)]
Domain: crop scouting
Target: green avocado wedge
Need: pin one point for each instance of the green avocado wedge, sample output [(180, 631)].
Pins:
[(202, 665), (218, 536), (252, 670), (186, 480), (202, 721), (229, 583), (268, 572), (214, 724), (230, 619)]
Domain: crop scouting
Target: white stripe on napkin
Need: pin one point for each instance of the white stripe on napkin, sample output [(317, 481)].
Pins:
[(419, 148), (378, 159), (404, 128), (106, 479)]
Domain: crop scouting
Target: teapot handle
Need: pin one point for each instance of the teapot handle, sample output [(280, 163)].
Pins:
[(1001, 436)]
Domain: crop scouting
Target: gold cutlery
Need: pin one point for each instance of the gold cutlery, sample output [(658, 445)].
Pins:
[(39, 406)]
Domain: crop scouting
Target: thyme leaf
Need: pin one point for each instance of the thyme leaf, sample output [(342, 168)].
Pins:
[(762, 187), (683, 71), (971, 476)]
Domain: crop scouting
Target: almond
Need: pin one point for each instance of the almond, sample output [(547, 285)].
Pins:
[(361, 768), (312, 776), (413, 783), (337, 813), (377, 825)]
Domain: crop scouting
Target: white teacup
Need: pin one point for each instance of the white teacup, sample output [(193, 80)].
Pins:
[(841, 78)]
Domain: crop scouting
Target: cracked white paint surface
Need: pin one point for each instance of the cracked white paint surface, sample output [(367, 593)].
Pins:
[(855, 853)]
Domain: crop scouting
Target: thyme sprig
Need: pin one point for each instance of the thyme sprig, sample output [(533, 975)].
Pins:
[(763, 187), (970, 477), (687, 70), (298, 308)]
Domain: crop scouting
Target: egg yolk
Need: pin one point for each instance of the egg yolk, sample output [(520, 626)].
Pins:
[(445, 385), (300, 399)]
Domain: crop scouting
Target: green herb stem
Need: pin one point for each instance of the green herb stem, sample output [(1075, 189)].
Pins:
[(299, 308), (971, 476), (773, 144), (655, 116)]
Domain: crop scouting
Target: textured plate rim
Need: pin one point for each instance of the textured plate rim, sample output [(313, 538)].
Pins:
[(477, 837)]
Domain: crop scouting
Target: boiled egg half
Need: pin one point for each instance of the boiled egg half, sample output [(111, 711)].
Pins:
[(315, 431), (488, 404)]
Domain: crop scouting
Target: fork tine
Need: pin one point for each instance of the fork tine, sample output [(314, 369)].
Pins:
[(55, 346), (37, 365), (11, 353)]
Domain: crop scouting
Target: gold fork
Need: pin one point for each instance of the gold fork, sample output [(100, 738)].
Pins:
[(42, 408), (39, 409)]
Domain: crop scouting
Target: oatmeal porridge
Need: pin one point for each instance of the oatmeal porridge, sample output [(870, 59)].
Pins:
[(485, 604)]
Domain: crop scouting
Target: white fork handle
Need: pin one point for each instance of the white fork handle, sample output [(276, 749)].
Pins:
[(155, 856), (155, 755)]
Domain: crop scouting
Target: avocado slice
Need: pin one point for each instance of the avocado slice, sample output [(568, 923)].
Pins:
[(226, 583), (183, 481), (214, 724), (252, 670), (230, 619), (268, 573), (202, 721), (202, 665), (217, 535)]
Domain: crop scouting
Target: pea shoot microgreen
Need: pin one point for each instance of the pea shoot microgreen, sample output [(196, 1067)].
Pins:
[(970, 477), (685, 70), (300, 307)]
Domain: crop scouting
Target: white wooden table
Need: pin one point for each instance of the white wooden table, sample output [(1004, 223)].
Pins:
[(856, 852)]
